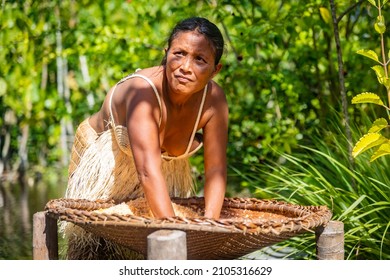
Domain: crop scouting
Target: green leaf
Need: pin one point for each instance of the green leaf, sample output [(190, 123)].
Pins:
[(3, 86), (383, 150), (379, 25), (367, 97), (353, 206), (368, 141), (380, 74), (386, 83), (384, 2), (325, 14), (378, 125), (372, 2), (369, 53)]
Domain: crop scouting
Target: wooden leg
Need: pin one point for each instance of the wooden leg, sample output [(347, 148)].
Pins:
[(45, 238), (330, 241), (167, 245)]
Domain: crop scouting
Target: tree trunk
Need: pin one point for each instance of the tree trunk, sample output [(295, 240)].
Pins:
[(63, 92), (342, 84)]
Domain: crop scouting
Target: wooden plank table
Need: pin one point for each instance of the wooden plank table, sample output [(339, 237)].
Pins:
[(171, 244)]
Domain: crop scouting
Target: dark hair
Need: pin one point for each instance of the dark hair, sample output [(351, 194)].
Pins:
[(203, 26)]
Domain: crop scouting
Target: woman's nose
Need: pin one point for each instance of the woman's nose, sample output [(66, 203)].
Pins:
[(186, 64)]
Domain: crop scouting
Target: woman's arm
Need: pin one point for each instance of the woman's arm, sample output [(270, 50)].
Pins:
[(215, 144), (143, 114)]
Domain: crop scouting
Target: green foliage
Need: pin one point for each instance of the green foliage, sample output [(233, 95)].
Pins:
[(368, 141), (320, 175), (373, 139), (58, 60), (277, 72), (272, 102), (367, 97)]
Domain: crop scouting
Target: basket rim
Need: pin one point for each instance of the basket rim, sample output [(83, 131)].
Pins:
[(306, 218)]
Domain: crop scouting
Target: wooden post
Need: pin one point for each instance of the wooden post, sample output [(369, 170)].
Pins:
[(167, 245), (45, 238), (330, 241)]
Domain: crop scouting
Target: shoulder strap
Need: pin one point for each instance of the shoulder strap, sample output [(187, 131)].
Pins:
[(187, 152), (197, 122), (150, 83)]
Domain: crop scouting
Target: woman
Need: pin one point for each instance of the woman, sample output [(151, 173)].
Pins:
[(138, 144)]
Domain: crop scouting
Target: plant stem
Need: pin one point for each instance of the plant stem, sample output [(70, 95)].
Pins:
[(383, 44), (341, 70), (383, 51), (342, 85), (350, 8)]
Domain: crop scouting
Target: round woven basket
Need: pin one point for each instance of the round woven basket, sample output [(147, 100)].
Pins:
[(245, 224)]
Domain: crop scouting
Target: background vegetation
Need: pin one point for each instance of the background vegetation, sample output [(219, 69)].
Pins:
[(289, 122)]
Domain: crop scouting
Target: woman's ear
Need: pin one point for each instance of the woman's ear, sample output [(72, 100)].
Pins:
[(218, 68), (164, 60)]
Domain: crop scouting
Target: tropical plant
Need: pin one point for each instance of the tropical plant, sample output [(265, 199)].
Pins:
[(59, 58), (320, 175), (373, 138)]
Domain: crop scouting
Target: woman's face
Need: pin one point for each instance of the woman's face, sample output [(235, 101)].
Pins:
[(190, 63)]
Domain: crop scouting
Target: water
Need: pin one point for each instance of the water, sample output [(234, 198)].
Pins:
[(19, 201)]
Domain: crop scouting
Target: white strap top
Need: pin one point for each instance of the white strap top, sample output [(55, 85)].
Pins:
[(187, 153)]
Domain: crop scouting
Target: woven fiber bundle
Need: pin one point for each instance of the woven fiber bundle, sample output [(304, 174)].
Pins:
[(245, 224)]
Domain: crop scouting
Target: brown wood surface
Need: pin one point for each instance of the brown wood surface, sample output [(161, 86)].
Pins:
[(167, 245), (45, 237), (330, 241)]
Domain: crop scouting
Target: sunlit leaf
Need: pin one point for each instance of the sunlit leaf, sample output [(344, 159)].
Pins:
[(378, 125), (384, 2), (368, 141), (383, 150), (325, 14), (380, 74), (386, 83), (379, 25), (369, 53), (367, 97), (372, 2), (3, 86)]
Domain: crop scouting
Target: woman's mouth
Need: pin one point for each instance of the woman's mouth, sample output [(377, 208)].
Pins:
[(182, 79)]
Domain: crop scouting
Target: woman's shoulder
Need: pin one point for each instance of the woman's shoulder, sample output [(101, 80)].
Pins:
[(216, 91), (142, 79), (152, 73), (138, 87)]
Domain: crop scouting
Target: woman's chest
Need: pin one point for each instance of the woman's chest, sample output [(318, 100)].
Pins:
[(178, 131)]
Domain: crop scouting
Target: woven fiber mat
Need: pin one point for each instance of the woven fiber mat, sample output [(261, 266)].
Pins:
[(245, 224)]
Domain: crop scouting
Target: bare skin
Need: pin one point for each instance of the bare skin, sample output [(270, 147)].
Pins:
[(190, 67)]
